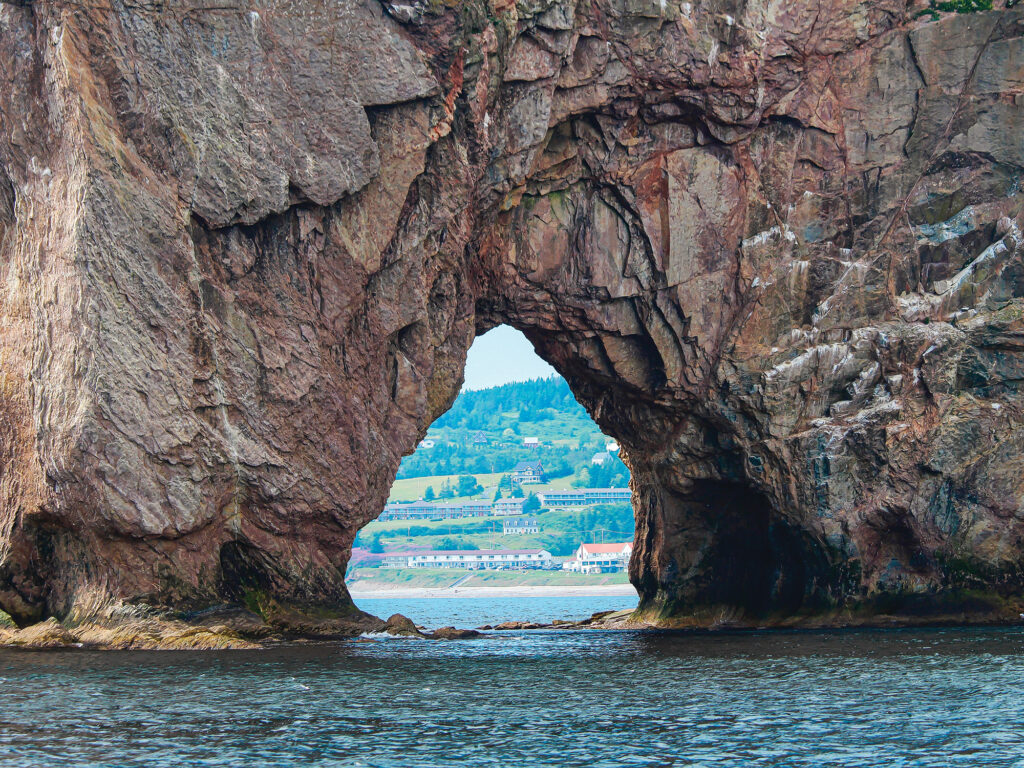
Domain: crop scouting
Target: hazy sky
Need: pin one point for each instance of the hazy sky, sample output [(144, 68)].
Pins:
[(500, 356)]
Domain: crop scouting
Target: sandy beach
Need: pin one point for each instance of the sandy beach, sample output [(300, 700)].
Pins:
[(595, 590)]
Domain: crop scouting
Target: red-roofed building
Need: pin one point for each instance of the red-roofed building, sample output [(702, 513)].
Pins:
[(600, 558)]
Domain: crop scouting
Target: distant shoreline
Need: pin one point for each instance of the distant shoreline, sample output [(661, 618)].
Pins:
[(594, 590)]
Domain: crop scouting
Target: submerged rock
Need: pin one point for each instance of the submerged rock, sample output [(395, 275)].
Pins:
[(451, 633), (775, 249), (519, 625)]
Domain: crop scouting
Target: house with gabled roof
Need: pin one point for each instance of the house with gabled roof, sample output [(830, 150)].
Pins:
[(528, 473)]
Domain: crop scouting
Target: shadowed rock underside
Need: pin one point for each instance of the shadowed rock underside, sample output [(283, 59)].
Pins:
[(775, 247)]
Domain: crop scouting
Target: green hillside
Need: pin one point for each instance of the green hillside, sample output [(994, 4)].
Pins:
[(474, 448), (484, 432)]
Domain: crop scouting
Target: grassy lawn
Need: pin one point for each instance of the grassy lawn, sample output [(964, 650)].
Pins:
[(481, 532), (444, 577), (441, 527), (413, 488), (403, 577)]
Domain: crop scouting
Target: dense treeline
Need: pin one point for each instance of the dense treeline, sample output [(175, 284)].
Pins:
[(458, 458), (558, 461), (533, 401), (484, 432), (612, 474)]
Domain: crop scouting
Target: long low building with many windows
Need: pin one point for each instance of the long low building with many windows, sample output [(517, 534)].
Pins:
[(433, 510), (472, 559), (584, 497)]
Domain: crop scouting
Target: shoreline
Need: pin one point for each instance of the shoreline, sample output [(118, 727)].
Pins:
[(595, 590)]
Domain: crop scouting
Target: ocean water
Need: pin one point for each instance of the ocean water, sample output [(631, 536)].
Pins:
[(474, 612), (940, 697)]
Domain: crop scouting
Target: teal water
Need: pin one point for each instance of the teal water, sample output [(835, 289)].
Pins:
[(949, 697)]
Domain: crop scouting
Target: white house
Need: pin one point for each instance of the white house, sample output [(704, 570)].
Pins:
[(527, 473), (427, 444), (531, 442), (473, 559), (600, 458), (600, 558), (520, 525)]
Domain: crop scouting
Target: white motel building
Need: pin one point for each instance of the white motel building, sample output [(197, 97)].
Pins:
[(473, 559)]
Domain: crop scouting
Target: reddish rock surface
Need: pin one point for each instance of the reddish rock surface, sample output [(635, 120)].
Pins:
[(775, 248)]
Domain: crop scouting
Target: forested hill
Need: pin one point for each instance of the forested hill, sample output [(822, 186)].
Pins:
[(531, 401), (486, 431)]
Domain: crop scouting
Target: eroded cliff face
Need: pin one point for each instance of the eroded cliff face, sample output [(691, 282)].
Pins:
[(775, 248)]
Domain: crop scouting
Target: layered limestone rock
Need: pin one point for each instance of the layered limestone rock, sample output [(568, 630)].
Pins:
[(774, 247)]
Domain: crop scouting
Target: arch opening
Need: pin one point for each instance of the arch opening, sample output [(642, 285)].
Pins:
[(513, 490)]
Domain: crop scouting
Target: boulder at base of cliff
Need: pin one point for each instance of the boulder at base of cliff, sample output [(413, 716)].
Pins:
[(401, 626)]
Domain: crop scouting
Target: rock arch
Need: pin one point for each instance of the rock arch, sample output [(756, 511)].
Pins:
[(774, 250)]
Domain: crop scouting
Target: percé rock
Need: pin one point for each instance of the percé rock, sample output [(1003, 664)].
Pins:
[(774, 247)]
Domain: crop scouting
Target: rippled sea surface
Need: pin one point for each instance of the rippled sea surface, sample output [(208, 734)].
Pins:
[(544, 698)]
